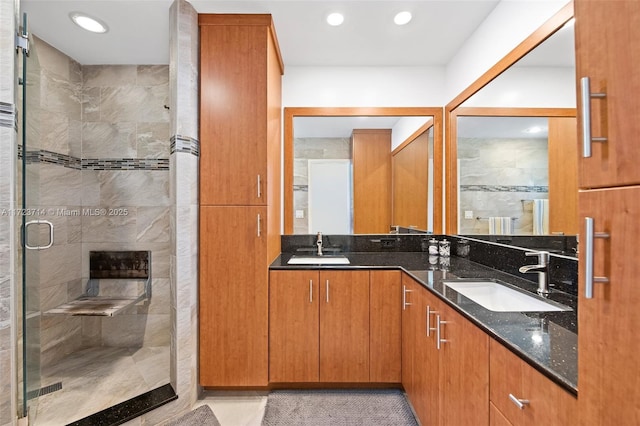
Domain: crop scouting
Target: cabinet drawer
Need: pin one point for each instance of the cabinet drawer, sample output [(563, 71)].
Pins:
[(512, 380)]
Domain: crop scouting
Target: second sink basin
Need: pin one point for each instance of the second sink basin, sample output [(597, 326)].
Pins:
[(319, 260), (499, 298)]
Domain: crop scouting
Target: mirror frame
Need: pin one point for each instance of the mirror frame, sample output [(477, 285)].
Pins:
[(545, 31), (292, 112)]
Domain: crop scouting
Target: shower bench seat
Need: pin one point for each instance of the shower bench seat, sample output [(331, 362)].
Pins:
[(117, 280)]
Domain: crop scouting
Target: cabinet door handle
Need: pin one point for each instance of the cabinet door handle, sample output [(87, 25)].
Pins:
[(310, 291), (439, 339), (520, 403), (259, 187), (589, 279), (259, 228), (586, 95), (404, 297), (429, 313), (327, 289)]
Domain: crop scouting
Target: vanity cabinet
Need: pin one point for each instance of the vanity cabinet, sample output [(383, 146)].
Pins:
[(520, 395), (608, 322), (239, 195), (320, 328), (446, 359), (607, 41)]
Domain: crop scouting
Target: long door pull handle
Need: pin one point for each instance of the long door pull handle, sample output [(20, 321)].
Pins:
[(589, 279), (586, 95)]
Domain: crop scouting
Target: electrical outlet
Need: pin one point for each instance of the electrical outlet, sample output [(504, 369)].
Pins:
[(468, 214), (299, 214), (387, 242)]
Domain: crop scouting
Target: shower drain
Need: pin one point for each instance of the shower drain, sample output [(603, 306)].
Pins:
[(44, 390)]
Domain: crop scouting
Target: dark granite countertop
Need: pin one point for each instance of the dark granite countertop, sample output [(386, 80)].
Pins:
[(548, 341)]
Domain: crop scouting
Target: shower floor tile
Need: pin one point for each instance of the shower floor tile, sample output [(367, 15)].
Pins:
[(97, 378)]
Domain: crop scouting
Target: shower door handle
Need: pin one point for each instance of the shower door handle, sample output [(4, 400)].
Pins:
[(33, 222)]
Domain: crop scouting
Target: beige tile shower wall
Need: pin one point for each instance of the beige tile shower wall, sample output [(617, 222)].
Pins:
[(498, 163), (124, 116), (305, 149)]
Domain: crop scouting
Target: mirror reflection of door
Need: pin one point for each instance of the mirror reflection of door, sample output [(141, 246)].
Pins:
[(412, 166), (330, 196)]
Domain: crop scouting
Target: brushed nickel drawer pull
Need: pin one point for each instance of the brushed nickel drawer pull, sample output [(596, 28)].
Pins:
[(520, 403)]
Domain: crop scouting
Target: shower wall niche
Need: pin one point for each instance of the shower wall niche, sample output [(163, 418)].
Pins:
[(100, 149)]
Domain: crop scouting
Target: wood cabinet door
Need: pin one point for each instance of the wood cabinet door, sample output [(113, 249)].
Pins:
[(464, 371), (344, 326), (426, 360), (608, 359), (410, 182), (607, 45), (410, 314), (371, 181), (233, 114), (385, 321), (233, 298), (293, 326), (547, 402)]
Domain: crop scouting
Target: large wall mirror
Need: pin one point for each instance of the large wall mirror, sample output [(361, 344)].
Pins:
[(511, 145), (362, 170)]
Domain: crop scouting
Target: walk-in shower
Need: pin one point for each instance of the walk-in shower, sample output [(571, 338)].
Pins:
[(92, 177)]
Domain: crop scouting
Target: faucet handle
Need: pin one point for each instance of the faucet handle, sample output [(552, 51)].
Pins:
[(543, 255)]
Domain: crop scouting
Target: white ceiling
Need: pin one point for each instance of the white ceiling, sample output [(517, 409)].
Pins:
[(139, 34), (139, 30)]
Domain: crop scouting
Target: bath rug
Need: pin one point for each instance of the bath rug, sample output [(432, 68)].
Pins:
[(201, 416), (379, 407)]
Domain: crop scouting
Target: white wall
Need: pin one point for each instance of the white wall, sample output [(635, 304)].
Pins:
[(404, 128), (531, 87), (510, 22), (363, 86)]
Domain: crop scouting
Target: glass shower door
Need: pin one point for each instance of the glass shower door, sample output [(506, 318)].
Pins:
[(34, 233)]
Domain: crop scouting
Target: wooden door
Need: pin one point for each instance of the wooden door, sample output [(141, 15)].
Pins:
[(411, 183), (293, 326), (563, 176), (607, 45), (371, 181), (233, 112), (344, 326), (233, 295), (385, 321), (464, 371), (608, 360)]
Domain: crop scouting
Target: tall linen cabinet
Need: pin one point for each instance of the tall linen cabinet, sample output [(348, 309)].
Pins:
[(607, 46), (240, 113)]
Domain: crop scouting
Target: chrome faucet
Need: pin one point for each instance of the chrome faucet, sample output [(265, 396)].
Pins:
[(319, 244), (542, 268)]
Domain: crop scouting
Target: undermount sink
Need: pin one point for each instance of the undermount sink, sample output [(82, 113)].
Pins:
[(319, 260), (499, 298)]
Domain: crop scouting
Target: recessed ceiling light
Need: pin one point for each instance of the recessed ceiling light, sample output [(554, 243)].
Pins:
[(88, 23), (402, 18), (335, 19)]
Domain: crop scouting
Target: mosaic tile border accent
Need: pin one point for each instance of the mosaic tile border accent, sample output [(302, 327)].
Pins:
[(185, 144), (8, 115), (304, 188), (503, 188), (50, 157)]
